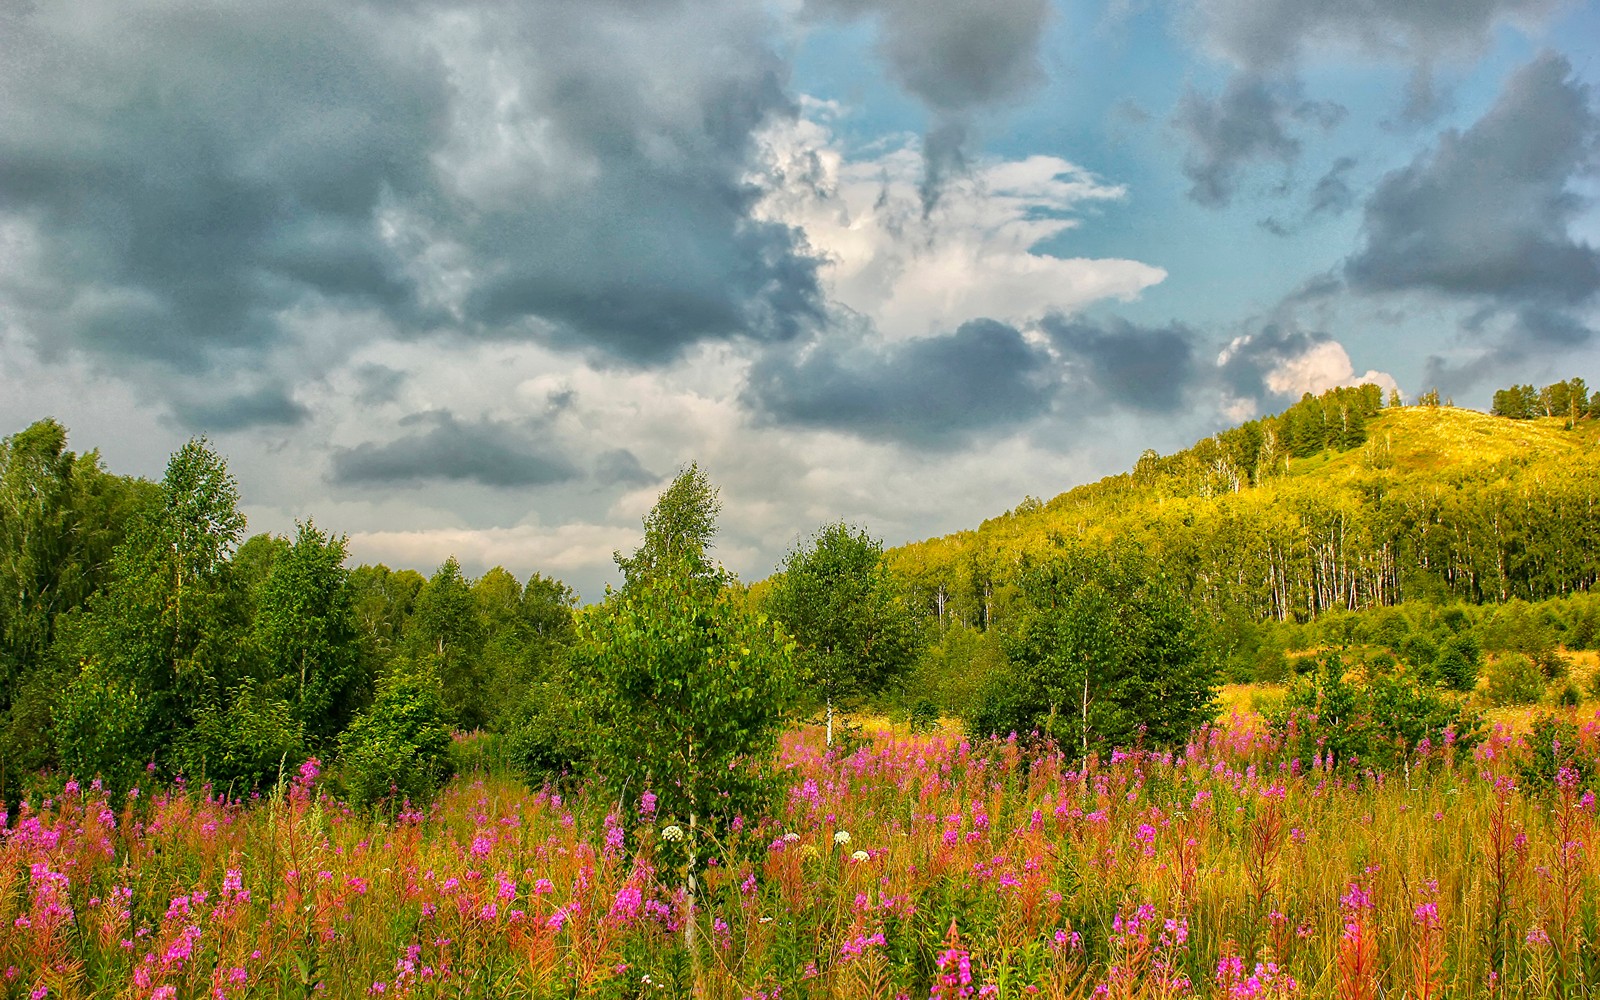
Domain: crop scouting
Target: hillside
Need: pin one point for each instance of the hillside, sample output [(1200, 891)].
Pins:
[(1269, 521)]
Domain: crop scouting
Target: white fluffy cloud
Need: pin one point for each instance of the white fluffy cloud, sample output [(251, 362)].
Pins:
[(981, 251)]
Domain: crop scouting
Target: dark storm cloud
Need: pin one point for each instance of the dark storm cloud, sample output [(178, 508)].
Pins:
[(1486, 214), (442, 448), (1245, 364), (626, 221), (194, 169), (1276, 34), (955, 56), (195, 173), (379, 384), (622, 466), (1250, 122), (1332, 194), (1148, 369), (267, 407), (929, 392)]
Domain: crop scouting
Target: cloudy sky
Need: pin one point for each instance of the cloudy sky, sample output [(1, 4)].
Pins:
[(479, 276)]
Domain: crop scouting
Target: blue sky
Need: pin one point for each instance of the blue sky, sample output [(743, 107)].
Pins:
[(474, 278)]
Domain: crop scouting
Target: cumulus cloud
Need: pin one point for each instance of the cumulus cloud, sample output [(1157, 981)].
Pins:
[(930, 391), (1488, 212), (188, 180), (1485, 219), (1281, 362), (956, 57), (442, 447), (1249, 122), (981, 252)]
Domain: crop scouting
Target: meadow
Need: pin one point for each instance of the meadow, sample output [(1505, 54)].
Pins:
[(904, 866)]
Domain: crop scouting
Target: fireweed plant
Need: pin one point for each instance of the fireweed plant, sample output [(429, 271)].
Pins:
[(922, 867)]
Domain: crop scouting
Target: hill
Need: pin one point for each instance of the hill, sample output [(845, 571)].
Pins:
[(1337, 503)]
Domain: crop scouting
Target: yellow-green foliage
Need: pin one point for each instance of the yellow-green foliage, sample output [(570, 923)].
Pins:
[(1435, 503)]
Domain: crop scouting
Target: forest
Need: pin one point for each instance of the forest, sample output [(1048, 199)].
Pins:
[(1009, 747), (142, 630)]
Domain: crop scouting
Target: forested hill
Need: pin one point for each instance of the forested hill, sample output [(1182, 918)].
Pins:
[(1339, 502)]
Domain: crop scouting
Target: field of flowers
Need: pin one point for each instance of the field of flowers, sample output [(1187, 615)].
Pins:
[(908, 867)]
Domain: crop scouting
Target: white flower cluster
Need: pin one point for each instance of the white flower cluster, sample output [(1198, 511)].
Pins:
[(860, 856), (790, 837), (842, 837), (672, 833)]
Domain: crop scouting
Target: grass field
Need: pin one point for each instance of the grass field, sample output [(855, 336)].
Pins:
[(908, 867)]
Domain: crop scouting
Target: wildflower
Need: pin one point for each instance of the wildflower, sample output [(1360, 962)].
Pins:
[(860, 856), (672, 833), (842, 837)]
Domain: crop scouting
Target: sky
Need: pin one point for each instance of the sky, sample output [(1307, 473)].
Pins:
[(479, 277)]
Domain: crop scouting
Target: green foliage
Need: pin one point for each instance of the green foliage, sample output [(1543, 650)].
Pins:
[(399, 748), (924, 716), (837, 599), (1514, 679), (102, 731), (1553, 744), (1456, 664), (61, 517), (548, 736), (677, 531), (445, 632), (245, 744), (688, 690), (1107, 653), (305, 628), (952, 670), (1381, 723), (169, 628)]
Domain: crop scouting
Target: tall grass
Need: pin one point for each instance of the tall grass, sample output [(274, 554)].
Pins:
[(910, 867)]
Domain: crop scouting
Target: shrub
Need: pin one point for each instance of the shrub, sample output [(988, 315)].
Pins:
[(924, 716), (548, 736), (1383, 722), (1514, 680), (1554, 743), (400, 747), (100, 730), (246, 745)]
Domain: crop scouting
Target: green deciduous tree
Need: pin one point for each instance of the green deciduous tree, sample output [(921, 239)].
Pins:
[(689, 688), (678, 528), (399, 747), (168, 626), (445, 634), (305, 629), (1105, 652), (844, 608)]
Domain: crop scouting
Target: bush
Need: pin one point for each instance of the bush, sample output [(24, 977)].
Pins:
[(1554, 743), (399, 748), (1383, 722), (101, 732), (548, 736), (247, 745), (1514, 680), (924, 716), (1272, 667), (1001, 708)]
